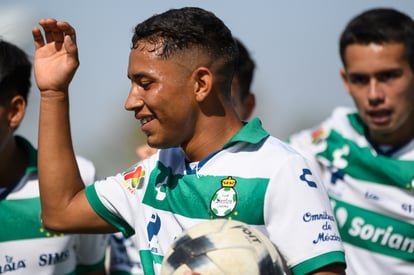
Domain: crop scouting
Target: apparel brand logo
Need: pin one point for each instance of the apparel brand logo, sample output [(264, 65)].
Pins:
[(306, 172)]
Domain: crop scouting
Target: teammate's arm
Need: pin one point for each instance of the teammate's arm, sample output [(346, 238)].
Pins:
[(64, 203)]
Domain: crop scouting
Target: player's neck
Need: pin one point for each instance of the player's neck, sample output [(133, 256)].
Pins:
[(13, 164), (211, 136), (395, 139)]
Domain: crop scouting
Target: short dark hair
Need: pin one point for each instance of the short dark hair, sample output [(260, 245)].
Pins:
[(244, 69), (177, 30), (379, 26), (15, 71)]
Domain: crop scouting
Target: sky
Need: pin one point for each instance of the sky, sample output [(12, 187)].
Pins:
[(294, 44)]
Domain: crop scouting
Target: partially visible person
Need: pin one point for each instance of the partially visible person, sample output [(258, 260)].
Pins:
[(210, 165), (243, 98), (366, 154), (26, 247), (124, 256)]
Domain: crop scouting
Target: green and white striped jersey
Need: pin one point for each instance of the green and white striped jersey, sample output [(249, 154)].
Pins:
[(254, 178), (26, 247), (371, 193)]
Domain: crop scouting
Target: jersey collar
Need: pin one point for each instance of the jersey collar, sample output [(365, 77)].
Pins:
[(252, 132)]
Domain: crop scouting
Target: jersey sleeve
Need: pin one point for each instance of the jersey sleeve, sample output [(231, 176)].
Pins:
[(305, 230), (115, 198)]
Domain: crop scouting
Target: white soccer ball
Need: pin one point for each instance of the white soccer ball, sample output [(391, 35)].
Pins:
[(222, 247)]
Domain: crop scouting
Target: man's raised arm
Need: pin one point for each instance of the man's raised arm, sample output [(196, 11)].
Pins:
[(64, 204)]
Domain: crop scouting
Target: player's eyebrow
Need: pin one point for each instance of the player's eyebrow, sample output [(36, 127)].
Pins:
[(138, 76)]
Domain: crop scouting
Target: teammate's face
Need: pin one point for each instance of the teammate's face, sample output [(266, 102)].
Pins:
[(381, 83), (162, 97)]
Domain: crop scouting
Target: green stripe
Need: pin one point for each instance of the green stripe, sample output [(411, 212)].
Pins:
[(191, 195), (356, 122), (22, 220), (315, 263), (361, 164), (375, 232), (148, 259)]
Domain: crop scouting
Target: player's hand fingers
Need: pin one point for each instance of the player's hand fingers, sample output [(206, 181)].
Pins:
[(69, 35), (49, 27), (37, 37)]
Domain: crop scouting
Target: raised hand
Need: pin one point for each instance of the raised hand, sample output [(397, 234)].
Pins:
[(56, 55)]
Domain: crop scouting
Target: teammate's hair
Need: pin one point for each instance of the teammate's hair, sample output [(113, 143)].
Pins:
[(15, 71), (245, 67), (380, 26), (178, 31)]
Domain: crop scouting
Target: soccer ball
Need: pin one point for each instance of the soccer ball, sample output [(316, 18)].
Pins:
[(222, 247)]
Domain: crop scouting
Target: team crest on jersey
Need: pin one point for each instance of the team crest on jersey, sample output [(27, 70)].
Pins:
[(224, 200), (134, 177), (318, 135)]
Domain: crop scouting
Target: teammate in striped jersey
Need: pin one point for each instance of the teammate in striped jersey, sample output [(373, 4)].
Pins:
[(367, 155), (26, 247)]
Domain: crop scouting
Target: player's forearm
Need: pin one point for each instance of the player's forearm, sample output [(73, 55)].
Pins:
[(59, 176)]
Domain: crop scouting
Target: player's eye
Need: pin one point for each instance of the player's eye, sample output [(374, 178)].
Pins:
[(145, 84), (389, 75), (358, 79)]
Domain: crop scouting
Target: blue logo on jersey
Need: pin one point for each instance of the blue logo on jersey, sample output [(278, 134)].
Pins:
[(153, 226), (337, 174), (306, 172)]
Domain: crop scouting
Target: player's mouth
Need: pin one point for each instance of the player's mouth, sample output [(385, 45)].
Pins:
[(380, 117), (146, 120)]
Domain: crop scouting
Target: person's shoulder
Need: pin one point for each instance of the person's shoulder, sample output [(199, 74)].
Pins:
[(84, 162), (342, 111), (280, 147)]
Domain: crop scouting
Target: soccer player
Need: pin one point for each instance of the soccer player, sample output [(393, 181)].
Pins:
[(26, 247), (366, 154), (123, 256), (211, 165)]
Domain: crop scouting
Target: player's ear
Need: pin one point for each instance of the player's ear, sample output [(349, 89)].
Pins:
[(203, 82), (345, 79), (16, 111)]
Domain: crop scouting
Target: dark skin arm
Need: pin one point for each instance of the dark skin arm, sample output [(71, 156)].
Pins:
[(64, 203)]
